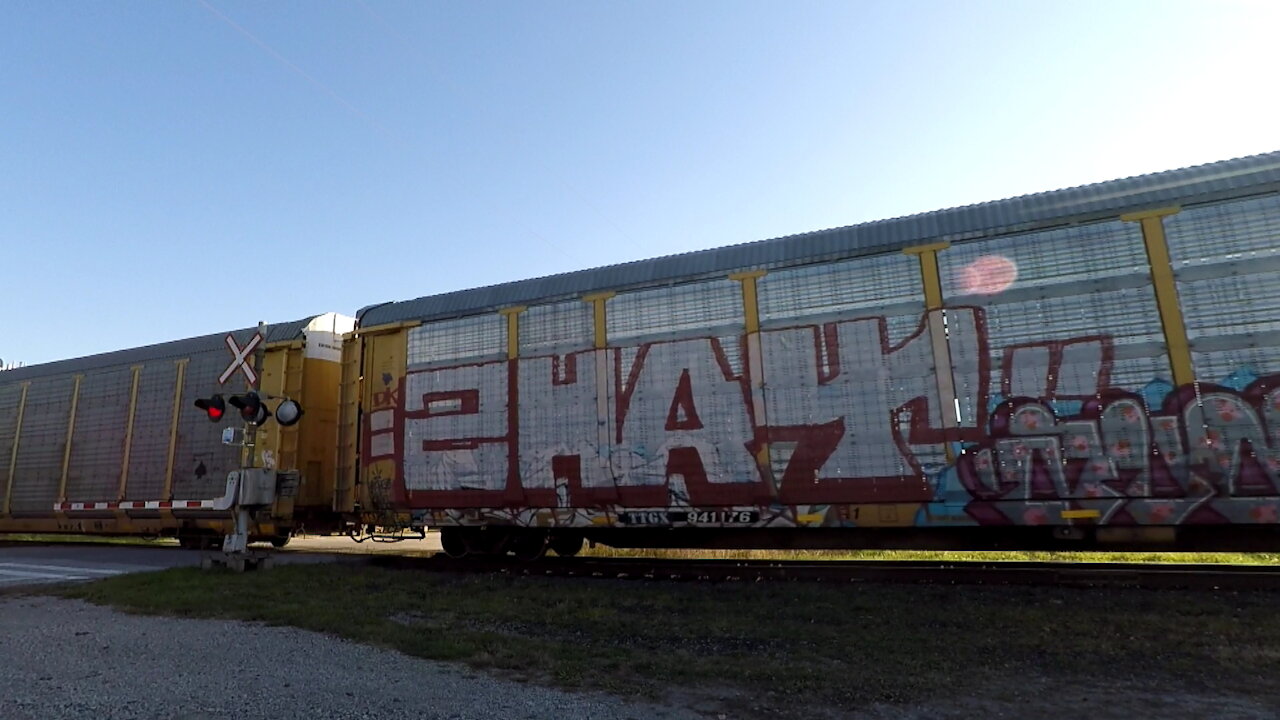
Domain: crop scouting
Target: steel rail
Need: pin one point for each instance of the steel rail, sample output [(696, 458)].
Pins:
[(1080, 574)]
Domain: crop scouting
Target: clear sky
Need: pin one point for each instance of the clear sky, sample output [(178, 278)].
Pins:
[(185, 167)]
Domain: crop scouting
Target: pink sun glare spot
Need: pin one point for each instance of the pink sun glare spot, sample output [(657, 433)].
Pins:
[(988, 275)]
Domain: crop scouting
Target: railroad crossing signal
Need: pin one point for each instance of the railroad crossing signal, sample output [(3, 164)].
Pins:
[(241, 359), (214, 407), (252, 407), (288, 413)]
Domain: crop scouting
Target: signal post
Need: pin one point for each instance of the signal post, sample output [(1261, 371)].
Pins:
[(255, 487)]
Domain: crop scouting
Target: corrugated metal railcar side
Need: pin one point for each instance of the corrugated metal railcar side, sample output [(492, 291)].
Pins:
[(1099, 363), (112, 443)]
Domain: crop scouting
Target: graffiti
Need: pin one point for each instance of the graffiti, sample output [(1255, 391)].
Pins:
[(673, 423), (838, 425), (1131, 464)]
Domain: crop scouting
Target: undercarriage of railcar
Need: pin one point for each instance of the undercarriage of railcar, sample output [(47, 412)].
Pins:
[(533, 542)]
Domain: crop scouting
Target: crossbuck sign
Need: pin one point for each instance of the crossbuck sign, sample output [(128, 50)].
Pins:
[(241, 360)]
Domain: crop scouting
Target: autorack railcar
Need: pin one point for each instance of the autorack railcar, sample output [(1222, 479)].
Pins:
[(1092, 366), (113, 444)]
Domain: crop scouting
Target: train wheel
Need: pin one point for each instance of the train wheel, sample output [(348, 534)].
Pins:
[(529, 546), (566, 545), (454, 542), (279, 541), (488, 540)]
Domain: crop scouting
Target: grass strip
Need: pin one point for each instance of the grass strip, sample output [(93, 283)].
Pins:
[(773, 649), (55, 538)]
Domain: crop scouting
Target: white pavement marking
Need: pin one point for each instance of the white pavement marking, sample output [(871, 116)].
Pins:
[(59, 568), (18, 573), (12, 576)]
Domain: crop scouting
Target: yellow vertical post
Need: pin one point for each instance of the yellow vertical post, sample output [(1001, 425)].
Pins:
[(750, 298), (513, 329), (597, 300), (930, 278), (755, 358), (1166, 289), (350, 393), (931, 281), (287, 382), (128, 432), (167, 492), (66, 446), (13, 454)]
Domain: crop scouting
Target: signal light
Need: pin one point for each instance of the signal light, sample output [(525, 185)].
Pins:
[(252, 409), (214, 407), (288, 412)]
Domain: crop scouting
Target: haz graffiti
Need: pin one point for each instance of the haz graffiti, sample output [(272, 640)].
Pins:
[(828, 424)]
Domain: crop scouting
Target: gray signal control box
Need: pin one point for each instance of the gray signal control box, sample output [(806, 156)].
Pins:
[(257, 486)]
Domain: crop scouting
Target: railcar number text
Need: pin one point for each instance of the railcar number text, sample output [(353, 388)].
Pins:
[(692, 517)]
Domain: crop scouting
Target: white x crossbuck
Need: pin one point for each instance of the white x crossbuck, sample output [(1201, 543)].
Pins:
[(241, 360)]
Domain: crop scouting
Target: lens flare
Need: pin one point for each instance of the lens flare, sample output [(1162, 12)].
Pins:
[(988, 275)]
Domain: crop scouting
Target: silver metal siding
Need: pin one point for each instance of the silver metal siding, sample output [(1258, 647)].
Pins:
[(10, 396), (454, 342), (1226, 259), (556, 328), (885, 285), (1086, 281), (152, 419), (44, 428), (97, 447)]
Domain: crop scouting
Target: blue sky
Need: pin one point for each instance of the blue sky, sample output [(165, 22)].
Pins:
[(170, 169)]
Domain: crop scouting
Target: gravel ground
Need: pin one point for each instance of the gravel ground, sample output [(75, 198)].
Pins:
[(68, 659)]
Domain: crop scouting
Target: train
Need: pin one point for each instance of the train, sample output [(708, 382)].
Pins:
[(1089, 368)]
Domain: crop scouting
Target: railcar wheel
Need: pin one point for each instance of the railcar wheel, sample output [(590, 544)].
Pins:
[(529, 546), (487, 540), (453, 542), (279, 541), (566, 545)]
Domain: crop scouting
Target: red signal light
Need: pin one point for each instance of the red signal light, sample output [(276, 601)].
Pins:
[(214, 407), (252, 408)]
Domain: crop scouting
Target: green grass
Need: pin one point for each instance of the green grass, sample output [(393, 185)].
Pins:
[(948, 555), (48, 538), (773, 649)]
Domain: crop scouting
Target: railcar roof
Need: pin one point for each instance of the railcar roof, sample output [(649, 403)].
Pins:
[(151, 353), (1245, 176)]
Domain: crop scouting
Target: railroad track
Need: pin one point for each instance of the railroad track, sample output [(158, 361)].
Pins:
[(1146, 575)]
